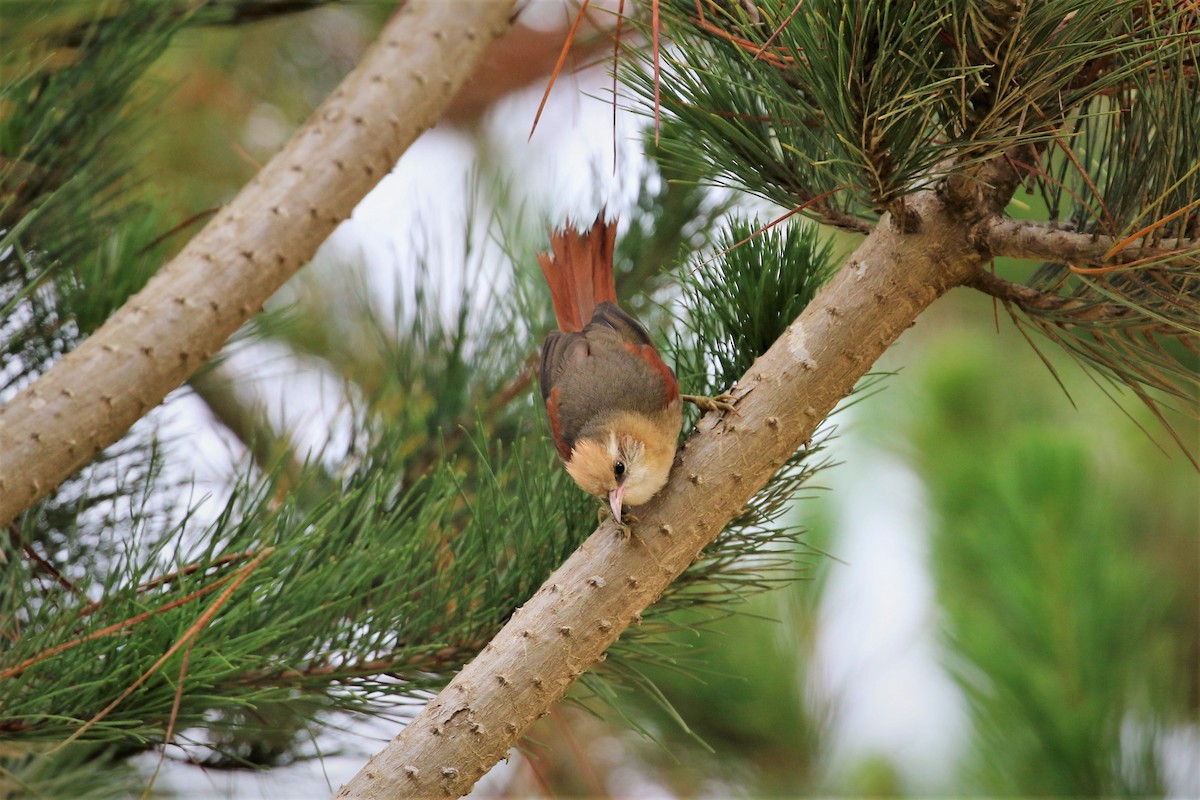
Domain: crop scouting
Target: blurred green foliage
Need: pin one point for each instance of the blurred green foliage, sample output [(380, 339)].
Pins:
[(1065, 550)]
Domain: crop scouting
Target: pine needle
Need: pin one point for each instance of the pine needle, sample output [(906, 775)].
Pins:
[(558, 65), (186, 639)]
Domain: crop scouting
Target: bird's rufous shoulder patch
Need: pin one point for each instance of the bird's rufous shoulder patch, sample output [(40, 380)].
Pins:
[(648, 354), (560, 444)]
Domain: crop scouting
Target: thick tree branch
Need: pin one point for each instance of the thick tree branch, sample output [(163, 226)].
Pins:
[(1044, 242), (272, 228), (603, 587), (983, 188)]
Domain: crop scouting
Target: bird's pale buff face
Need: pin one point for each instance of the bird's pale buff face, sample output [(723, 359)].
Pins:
[(628, 464)]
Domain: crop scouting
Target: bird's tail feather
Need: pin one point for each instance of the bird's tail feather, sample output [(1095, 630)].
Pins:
[(579, 271)]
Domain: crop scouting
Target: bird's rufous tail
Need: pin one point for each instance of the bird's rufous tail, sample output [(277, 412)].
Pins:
[(579, 271)]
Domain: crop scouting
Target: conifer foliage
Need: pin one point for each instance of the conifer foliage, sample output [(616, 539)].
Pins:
[(361, 578), (846, 109), (356, 580)]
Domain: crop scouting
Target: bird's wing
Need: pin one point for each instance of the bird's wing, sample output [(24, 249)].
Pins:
[(628, 329), (638, 343), (559, 353), (559, 350)]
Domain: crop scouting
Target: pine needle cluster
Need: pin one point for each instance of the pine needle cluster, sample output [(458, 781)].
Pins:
[(842, 110), (355, 579)]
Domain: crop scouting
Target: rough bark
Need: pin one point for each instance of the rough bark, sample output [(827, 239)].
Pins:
[(272, 228), (582, 609), (1043, 241)]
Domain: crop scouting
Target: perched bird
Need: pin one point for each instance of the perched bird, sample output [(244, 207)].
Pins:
[(613, 403)]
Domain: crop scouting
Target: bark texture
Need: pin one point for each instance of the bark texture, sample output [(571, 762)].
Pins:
[(273, 227), (582, 609), (1040, 240)]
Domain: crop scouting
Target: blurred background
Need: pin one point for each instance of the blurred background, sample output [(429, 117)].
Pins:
[(998, 586)]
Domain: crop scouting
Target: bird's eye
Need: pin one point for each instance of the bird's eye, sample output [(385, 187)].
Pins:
[(619, 468)]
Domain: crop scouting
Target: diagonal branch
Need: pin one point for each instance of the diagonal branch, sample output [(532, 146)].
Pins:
[(271, 229), (603, 587), (1045, 242)]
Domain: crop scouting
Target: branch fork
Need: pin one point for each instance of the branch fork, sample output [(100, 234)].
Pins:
[(566, 626)]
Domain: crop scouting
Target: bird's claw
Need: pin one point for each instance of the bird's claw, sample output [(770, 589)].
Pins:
[(623, 524), (721, 402), (603, 513)]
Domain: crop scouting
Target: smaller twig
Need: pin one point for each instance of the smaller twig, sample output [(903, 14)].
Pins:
[(187, 637), (562, 59), (655, 32), (1034, 300), (778, 220), (172, 719), (585, 766), (778, 29), (91, 607), (42, 563), (378, 666), (1044, 242), (110, 629), (1146, 231), (187, 223)]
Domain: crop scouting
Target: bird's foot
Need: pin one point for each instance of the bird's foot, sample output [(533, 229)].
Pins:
[(624, 523), (603, 513), (722, 402)]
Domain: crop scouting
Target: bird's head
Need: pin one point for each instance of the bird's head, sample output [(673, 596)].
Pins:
[(627, 462)]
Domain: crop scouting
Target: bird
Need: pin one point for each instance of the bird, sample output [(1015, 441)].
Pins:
[(613, 404)]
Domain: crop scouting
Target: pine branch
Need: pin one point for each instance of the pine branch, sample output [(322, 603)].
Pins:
[(606, 584), (1048, 242), (1030, 299), (273, 227)]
